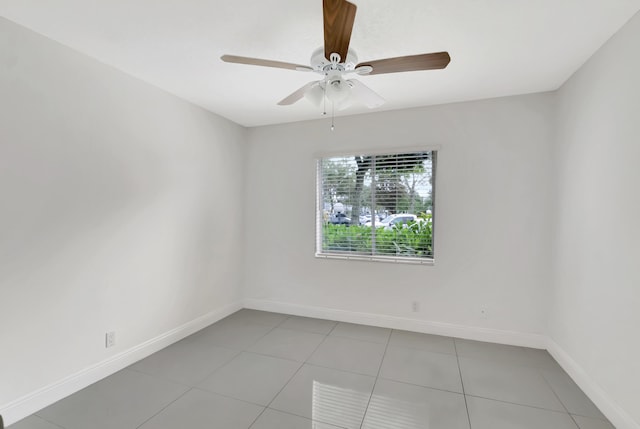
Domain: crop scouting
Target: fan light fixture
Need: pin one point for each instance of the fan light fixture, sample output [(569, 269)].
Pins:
[(338, 91)]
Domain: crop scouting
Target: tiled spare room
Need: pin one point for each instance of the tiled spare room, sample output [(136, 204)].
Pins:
[(319, 214)]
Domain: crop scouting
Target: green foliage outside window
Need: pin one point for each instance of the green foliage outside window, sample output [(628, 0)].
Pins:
[(415, 239)]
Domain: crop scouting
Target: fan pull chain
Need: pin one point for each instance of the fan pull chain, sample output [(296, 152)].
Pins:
[(333, 108), (324, 107), (324, 100)]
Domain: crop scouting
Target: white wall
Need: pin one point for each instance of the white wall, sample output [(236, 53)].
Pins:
[(120, 210), (595, 314), (492, 204)]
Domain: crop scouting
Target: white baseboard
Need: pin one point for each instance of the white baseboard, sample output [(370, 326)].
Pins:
[(618, 416), (395, 322), (28, 404)]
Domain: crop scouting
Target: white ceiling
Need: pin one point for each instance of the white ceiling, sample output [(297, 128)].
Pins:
[(498, 47)]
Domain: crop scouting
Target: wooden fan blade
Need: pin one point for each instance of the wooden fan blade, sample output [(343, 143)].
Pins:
[(296, 95), (339, 16), (434, 61), (264, 63)]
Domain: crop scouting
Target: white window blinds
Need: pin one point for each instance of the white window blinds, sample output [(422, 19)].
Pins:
[(376, 207)]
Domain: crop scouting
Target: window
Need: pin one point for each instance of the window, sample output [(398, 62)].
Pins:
[(376, 206)]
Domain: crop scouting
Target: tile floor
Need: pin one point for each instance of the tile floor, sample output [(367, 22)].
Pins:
[(264, 370)]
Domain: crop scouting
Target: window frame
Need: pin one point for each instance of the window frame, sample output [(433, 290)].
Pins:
[(319, 205)]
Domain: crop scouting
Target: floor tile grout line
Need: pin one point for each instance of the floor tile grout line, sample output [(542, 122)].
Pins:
[(296, 330), (340, 370), (164, 408), (605, 419), (565, 407), (264, 407), (359, 339), (239, 352), (257, 417), (464, 395), (303, 417), (272, 356), (375, 381), (395, 346), (437, 389), (334, 322), (246, 349), (194, 388), (209, 374), (558, 398), (202, 389), (278, 393), (283, 357), (541, 371), (43, 419), (424, 349), (287, 383), (316, 348), (306, 361), (302, 364), (355, 339), (285, 319), (306, 331), (520, 405), (333, 327), (508, 363), (220, 367)]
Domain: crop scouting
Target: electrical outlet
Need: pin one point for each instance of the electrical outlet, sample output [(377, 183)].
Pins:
[(415, 306), (484, 313), (110, 339)]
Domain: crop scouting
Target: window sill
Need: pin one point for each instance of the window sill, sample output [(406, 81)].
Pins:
[(391, 259)]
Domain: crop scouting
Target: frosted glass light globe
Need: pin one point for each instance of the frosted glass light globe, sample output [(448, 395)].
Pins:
[(338, 90), (315, 94)]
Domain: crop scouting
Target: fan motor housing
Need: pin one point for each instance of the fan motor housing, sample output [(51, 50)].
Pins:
[(322, 65)]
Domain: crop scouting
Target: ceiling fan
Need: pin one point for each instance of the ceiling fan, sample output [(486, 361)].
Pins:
[(337, 63)]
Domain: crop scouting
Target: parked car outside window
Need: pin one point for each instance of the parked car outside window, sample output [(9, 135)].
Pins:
[(395, 219), (339, 219)]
